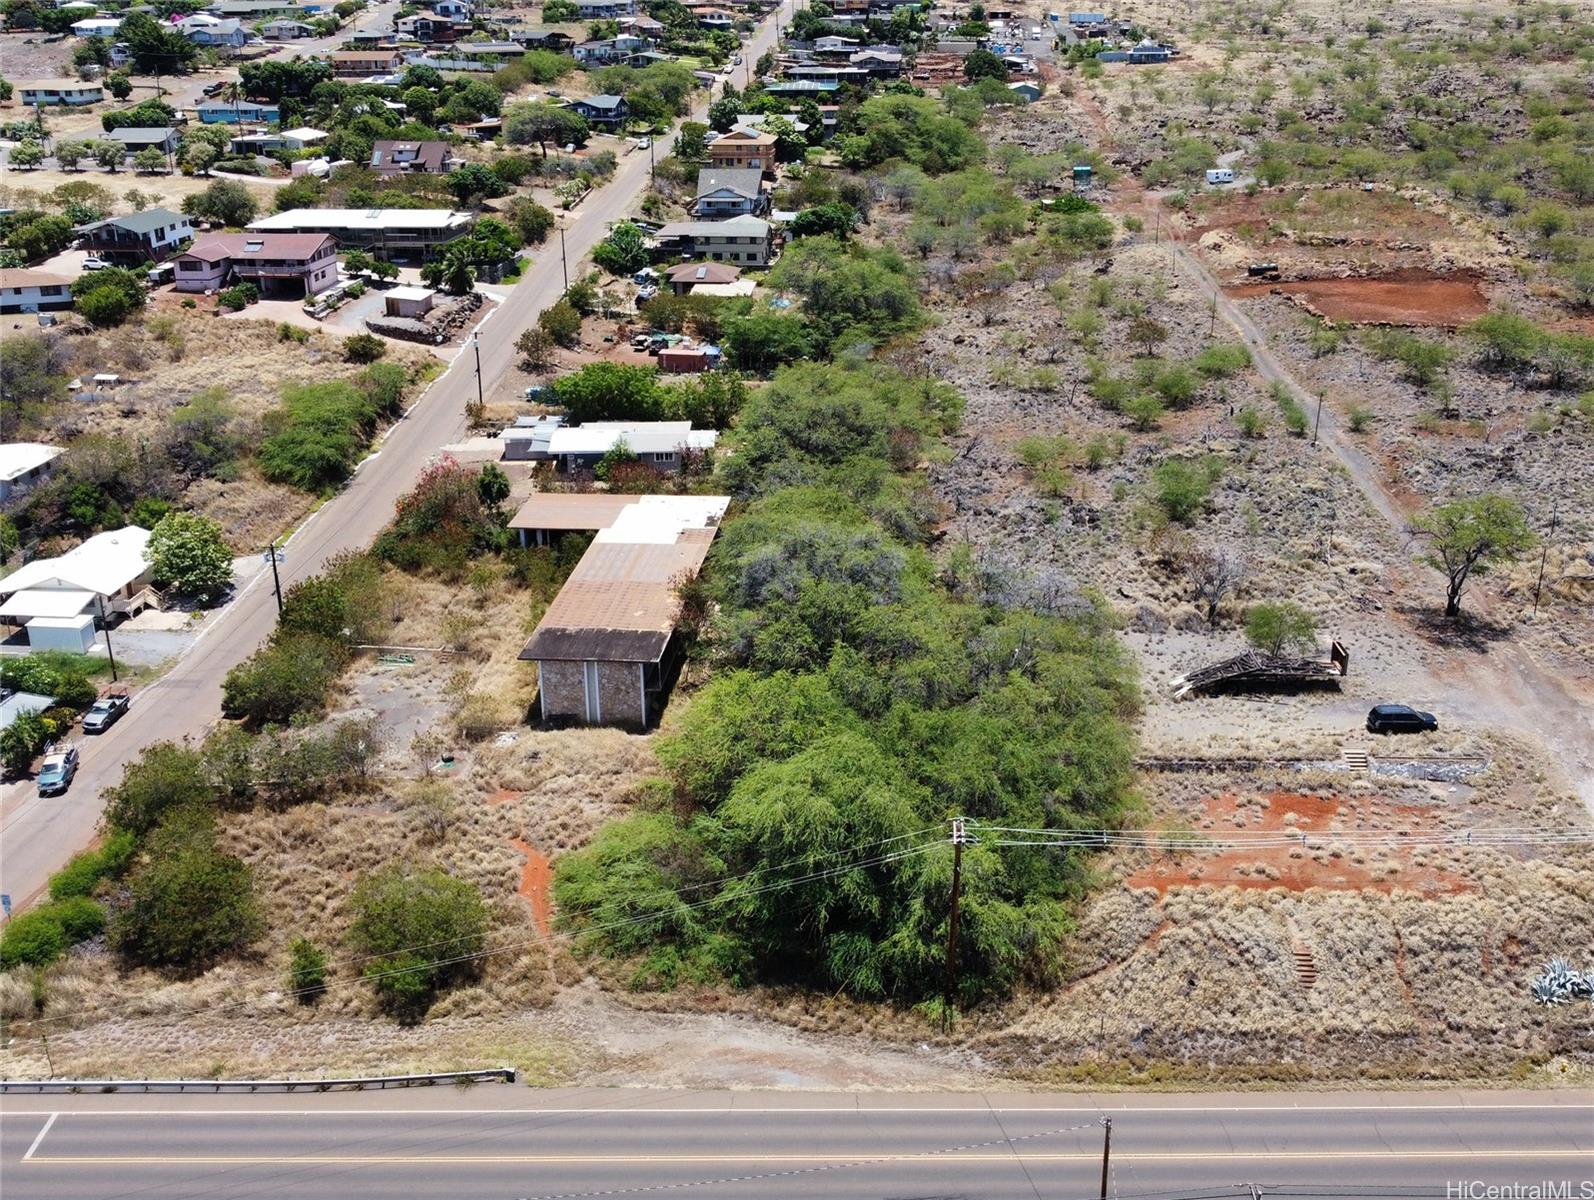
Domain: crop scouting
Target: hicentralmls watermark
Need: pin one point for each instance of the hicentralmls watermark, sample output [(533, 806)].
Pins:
[(1547, 1189)]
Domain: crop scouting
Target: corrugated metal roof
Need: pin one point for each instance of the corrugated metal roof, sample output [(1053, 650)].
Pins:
[(569, 510)]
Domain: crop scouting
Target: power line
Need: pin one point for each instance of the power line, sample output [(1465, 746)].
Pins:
[(571, 936)]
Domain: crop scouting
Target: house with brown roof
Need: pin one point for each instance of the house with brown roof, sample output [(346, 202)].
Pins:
[(607, 649), (684, 277), (400, 158), (24, 291), (357, 64), (743, 148), (279, 264)]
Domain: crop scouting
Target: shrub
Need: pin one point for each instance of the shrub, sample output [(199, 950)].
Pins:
[(307, 970), (1252, 423), (34, 938), (442, 523), (1290, 408), (1281, 626), (363, 348), (83, 872), (315, 439), (415, 926), (80, 918), (293, 674), (562, 323), (1144, 411), (190, 904), (1219, 362), (1182, 487), (605, 391), (239, 297), (166, 777), (1359, 416)]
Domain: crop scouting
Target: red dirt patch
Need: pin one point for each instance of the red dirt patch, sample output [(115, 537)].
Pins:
[(1399, 298), (502, 796), (536, 883), (1274, 867)]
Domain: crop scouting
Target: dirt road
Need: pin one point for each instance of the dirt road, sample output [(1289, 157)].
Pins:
[(38, 835), (1510, 684)]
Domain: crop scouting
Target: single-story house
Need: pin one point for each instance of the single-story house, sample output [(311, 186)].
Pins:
[(59, 91), (603, 112), (606, 650), (686, 360), (831, 44), (413, 302), (16, 704), (135, 238), (882, 63), (1084, 18), (1030, 92), (399, 158), (97, 27), (285, 29), (685, 277), (386, 232), (24, 291), (743, 148), (24, 465), (527, 440), (222, 112), (135, 139), (279, 264), (756, 122), (255, 10), (58, 599), (357, 64), (730, 192), (745, 240), (802, 87), (657, 443), (288, 139)]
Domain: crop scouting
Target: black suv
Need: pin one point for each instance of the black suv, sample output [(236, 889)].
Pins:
[(1400, 718)]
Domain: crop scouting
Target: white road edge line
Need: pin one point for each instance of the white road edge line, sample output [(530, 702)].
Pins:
[(39, 1141), (388, 1114)]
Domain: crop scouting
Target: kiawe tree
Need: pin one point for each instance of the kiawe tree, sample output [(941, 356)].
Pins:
[(1469, 537)]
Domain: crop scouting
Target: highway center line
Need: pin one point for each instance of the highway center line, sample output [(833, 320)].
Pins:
[(38, 1141), (850, 1157)]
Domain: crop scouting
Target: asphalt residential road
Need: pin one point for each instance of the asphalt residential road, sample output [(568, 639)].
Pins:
[(503, 1141), (38, 835)]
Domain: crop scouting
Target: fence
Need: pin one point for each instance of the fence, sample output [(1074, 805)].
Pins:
[(377, 1082)]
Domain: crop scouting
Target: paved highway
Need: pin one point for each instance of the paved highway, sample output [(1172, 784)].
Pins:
[(38, 835), (495, 1141)]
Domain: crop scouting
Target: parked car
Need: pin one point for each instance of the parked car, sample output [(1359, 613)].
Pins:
[(55, 776), (647, 291), (538, 391), (212, 89), (105, 712), (1400, 718), (91, 263)]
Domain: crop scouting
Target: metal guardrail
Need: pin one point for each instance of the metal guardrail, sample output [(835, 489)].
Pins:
[(377, 1082)]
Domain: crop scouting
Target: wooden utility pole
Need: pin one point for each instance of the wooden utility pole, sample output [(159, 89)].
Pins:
[(1106, 1152), (958, 838), (1544, 555)]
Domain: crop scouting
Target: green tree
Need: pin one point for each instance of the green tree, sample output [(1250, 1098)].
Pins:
[(604, 391), (27, 156), (1279, 626), (226, 201), (1181, 488), (290, 676), (474, 181), (108, 297), (1471, 536), (1148, 334), (540, 123), (189, 903), (166, 777), (536, 348), (623, 252), (150, 161), (838, 220), (982, 64), (691, 145), (189, 554), (556, 12), (119, 84), (70, 153), (154, 46), (418, 930), (531, 221), (561, 322)]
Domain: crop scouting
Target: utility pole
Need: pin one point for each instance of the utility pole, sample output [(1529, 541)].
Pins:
[(1317, 421), (1106, 1152), (564, 262), (652, 172), (1212, 323), (476, 344), (958, 839), (276, 579), (109, 653), (1544, 555)]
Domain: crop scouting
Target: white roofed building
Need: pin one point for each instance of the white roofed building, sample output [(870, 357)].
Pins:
[(110, 572), (388, 232), (660, 444), (24, 465)]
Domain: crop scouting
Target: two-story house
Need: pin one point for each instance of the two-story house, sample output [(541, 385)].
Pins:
[(140, 237), (204, 30), (743, 148), (390, 158), (733, 192), (603, 112), (222, 112), (748, 241), (395, 233), (358, 64), (604, 10), (279, 264), (454, 10)]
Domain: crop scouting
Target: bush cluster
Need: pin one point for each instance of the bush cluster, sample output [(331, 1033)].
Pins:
[(316, 437)]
